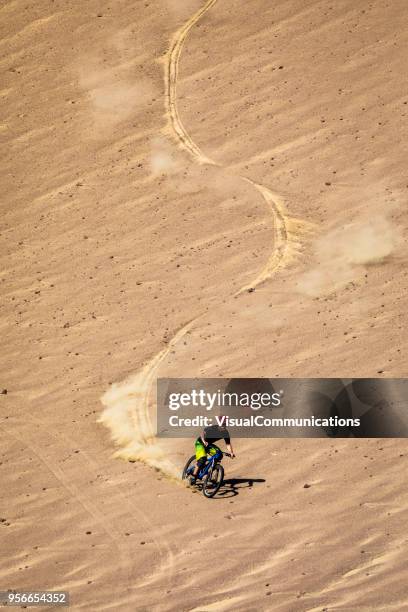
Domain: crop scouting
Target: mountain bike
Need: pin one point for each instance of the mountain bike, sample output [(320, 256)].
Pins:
[(211, 475)]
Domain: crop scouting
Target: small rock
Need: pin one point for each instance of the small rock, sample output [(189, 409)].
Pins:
[(306, 486)]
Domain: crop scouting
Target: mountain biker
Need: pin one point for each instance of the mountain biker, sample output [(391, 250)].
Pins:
[(204, 445)]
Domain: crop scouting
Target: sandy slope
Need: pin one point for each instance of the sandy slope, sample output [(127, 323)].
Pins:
[(116, 237)]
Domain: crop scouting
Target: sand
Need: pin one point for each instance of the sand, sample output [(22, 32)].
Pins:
[(199, 189)]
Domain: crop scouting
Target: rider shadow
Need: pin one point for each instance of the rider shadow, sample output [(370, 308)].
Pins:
[(230, 486)]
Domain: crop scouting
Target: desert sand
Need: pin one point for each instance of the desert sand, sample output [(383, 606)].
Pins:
[(196, 188)]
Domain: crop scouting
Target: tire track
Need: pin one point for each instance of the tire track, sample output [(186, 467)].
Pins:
[(170, 76), (164, 549), (82, 499), (280, 250), (285, 238), (126, 411)]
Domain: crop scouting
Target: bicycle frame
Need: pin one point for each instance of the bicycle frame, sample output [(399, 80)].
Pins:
[(210, 462)]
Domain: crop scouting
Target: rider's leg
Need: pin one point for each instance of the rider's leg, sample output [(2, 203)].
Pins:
[(199, 466), (211, 449), (201, 458)]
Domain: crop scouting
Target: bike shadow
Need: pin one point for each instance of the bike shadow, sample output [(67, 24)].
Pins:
[(230, 486)]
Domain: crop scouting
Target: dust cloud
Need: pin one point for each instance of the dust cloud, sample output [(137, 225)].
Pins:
[(343, 252), (126, 415), (163, 159), (112, 99), (109, 82)]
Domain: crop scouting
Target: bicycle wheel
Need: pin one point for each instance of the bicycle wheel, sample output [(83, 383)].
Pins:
[(213, 480), (188, 464)]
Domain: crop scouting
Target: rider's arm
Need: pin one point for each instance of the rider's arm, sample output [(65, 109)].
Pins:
[(230, 450), (203, 438)]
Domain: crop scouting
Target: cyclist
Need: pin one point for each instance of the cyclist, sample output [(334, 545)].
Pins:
[(205, 445)]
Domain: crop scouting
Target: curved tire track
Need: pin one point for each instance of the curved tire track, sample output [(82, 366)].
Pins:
[(171, 74), (127, 414), (177, 128), (126, 411)]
